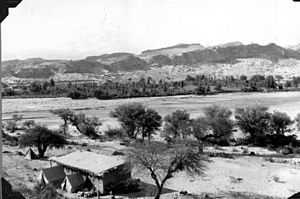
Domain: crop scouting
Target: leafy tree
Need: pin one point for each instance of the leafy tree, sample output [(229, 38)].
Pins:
[(42, 138), (66, 115), (77, 120), (89, 127), (243, 78), (218, 119), (130, 117), (270, 82), (150, 122), (52, 82), (161, 162), (257, 78), (278, 78), (281, 123), (12, 124), (200, 90), (254, 121), (297, 119), (200, 127), (177, 123), (28, 124), (218, 87)]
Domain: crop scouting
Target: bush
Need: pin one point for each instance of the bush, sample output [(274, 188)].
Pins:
[(129, 186), (115, 133), (221, 155), (46, 192)]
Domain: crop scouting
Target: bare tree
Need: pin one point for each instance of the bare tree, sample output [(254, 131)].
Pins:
[(162, 161)]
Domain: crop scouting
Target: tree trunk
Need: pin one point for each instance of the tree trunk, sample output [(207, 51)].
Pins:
[(42, 150), (200, 146), (158, 192)]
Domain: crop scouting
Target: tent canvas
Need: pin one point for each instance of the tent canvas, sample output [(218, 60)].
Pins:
[(30, 155), (54, 175), (88, 183), (72, 183)]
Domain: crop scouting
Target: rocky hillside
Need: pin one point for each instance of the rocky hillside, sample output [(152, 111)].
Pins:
[(172, 62), (295, 47)]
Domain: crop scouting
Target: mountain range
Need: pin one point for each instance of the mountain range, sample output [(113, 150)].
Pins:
[(172, 62)]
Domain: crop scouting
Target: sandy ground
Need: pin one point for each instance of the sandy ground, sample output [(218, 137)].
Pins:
[(257, 176), (38, 108)]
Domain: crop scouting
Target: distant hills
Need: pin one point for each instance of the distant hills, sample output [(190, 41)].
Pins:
[(223, 57)]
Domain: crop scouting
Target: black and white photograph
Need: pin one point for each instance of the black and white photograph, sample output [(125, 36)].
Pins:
[(150, 99)]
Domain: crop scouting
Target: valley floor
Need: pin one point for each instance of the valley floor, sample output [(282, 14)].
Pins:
[(241, 177)]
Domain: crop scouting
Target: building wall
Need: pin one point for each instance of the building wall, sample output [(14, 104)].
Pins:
[(122, 173), (114, 176)]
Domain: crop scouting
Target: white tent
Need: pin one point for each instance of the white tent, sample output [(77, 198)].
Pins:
[(72, 183), (54, 175)]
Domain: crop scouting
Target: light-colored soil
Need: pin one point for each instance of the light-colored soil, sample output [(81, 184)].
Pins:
[(38, 108), (246, 176), (259, 177)]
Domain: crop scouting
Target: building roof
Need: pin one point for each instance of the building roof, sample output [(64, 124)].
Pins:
[(90, 162)]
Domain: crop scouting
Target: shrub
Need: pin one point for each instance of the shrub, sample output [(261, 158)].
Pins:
[(46, 192), (114, 133)]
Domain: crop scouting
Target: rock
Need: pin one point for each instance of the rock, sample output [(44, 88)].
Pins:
[(19, 153), (207, 197), (183, 193)]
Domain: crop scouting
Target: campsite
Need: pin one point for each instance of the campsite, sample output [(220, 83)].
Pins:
[(151, 99), (277, 175)]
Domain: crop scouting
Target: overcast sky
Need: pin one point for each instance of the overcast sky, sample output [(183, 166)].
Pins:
[(74, 29)]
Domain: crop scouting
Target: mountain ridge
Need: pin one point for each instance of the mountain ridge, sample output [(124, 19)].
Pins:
[(190, 55)]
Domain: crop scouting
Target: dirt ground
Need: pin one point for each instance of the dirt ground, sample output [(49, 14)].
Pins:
[(241, 177), (38, 108)]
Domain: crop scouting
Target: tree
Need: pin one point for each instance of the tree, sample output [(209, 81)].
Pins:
[(243, 78), (270, 82), (130, 117), (162, 161), (89, 127), (200, 128), (254, 121), (297, 119), (66, 115), (42, 138), (52, 82), (28, 124), (177, 124), (218, 119), (200, 90), (278, 78), (12, 124), (281, 123), (85, 125), (150, 122)]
